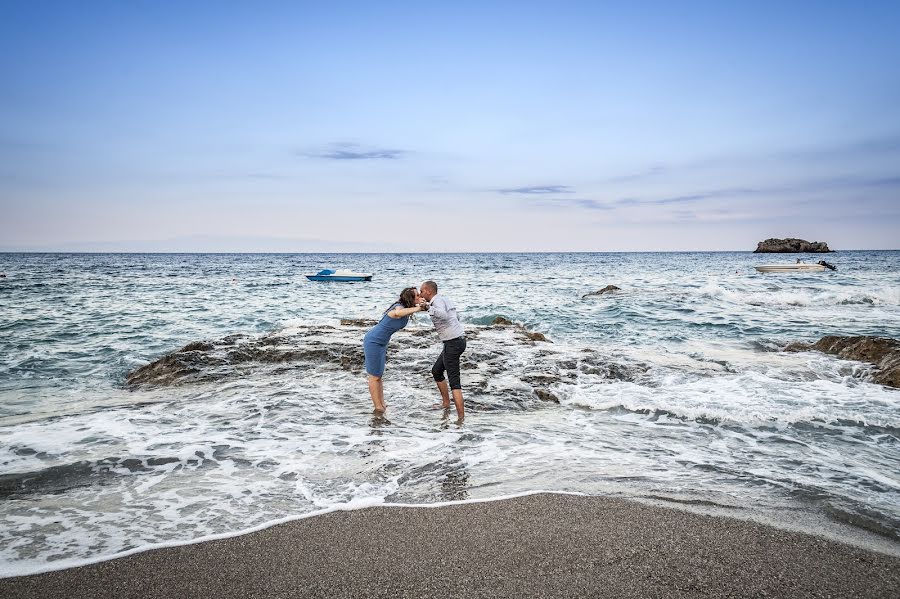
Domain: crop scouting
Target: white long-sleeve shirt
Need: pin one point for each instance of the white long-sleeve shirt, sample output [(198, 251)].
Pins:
[(445, 318)]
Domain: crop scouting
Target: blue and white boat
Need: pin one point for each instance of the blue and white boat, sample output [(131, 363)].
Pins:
[(339, 275)]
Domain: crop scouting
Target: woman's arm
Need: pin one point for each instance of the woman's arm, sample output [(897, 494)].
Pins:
[(401, 312)]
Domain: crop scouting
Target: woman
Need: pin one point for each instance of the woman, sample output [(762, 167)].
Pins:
[(375, 342)]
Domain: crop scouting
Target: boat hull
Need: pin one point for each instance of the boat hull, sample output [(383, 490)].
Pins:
[(790, 268), (338, 278)]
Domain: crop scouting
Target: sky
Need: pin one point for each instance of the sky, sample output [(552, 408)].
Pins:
[(452, 126)]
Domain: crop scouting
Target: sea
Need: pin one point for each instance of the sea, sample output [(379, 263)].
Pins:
[(672, 391)]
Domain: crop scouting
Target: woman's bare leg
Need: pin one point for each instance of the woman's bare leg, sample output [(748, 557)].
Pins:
[(376, 390)]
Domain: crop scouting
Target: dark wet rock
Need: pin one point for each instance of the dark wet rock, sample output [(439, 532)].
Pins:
[(161, 461), (2, 276), (133, 464), (197, 346), (546, 395), (502, 322), (537, 337), (883, 352), (791, 246), (607, 289), (358, 322)]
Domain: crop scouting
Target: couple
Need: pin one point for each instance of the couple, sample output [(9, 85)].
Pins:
[(449, 329)]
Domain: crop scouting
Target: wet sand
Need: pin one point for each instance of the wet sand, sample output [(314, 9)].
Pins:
[(534, 546)]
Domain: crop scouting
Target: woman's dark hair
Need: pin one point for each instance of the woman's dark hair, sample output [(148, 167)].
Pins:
[(408, 297)]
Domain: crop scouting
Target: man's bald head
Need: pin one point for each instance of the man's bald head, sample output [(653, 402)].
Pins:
[(428, 289)]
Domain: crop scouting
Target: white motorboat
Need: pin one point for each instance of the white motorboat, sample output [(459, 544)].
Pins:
[(799, 267), (343, 276)]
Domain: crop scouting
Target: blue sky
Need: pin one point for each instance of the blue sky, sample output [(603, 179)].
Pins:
[(237, 126)]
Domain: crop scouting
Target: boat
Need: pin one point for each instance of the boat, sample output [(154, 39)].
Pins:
[(799, 267), (342, 276)]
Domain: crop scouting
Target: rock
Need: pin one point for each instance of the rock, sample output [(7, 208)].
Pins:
[(791, 246), (500, 321), (883, 352), (607, 289), (537, 337), (358, 322), (197, 346), (545, 395)]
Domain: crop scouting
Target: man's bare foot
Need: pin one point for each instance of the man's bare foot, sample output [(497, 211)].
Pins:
[(440, 406)]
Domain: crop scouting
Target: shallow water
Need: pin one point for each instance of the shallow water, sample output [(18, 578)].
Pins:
[(673, 388)]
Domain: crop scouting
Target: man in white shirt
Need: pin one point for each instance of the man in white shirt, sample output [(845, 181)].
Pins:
[(446, 322)]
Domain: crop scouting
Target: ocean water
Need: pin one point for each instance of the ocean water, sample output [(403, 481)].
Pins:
[(673, 390)]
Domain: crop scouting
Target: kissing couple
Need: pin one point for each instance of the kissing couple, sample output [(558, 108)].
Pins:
[(444, 316)]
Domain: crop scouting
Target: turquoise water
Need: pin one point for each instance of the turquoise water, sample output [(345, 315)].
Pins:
[(673, 389)]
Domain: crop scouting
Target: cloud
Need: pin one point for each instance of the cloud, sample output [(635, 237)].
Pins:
[(871, 147), (649, 173), (349, 151), (210, 244), (586, 204), (538, 190)]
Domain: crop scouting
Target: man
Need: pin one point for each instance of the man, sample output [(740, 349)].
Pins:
[(449, 329)]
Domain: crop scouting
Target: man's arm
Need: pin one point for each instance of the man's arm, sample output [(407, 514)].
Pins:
[(438, 308)]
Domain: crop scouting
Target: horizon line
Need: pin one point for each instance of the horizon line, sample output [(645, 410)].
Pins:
[(263, 253)]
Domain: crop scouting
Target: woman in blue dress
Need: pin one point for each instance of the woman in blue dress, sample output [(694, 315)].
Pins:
[(375, 342)]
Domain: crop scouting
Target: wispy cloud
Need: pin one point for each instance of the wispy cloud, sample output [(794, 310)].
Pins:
[(350, 151), (585, 204), (538, 190), (649, 173), (874, 146)]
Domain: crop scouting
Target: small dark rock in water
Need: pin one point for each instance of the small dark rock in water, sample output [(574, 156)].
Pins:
[(791, 246), (502, 322), (607, 289), (505, 322), (545, 395), (537, 337), (884, 353), (2, 276)]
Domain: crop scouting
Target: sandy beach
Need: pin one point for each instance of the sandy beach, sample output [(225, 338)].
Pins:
[(536, 546)]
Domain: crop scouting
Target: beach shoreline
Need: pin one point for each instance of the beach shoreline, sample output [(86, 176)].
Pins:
[(533, 545)]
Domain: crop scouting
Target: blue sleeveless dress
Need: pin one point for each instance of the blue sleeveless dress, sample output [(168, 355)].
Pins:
[(376, 340)]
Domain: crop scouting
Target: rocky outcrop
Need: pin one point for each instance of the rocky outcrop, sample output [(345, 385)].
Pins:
[(884, 353), (530, 335), (503, 367), (607, 289), (791, 246)]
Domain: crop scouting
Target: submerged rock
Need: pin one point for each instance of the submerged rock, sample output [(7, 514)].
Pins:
[(883, 352), (502, 322), (607, 289), (545, 395), (791, 246)]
